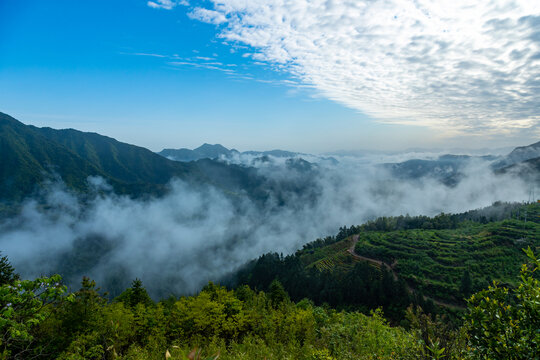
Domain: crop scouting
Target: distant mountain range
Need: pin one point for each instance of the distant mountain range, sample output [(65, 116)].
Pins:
[(524, 161), (448, 168), (208, 151), (32, 156), (205, 151)]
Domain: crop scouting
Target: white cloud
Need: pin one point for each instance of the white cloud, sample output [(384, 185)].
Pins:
[(166, 4), (208, 16), (466, 66)]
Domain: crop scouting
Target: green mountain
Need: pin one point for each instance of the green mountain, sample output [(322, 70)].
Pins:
[(395, 261), (120, 161), (31, 156)]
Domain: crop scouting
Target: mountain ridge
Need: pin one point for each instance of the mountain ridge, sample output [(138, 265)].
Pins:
[(33, 156), (215, 151)]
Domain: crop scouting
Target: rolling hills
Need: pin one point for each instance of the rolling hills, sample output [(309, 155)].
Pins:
[(443, 259)]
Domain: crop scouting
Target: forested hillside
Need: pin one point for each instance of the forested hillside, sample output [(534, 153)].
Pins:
[(395, 261), (33, 157), (40, 320)]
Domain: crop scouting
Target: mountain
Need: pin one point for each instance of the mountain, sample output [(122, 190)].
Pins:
[(524, 153), (124, 163), (446, 168), (205, 151), (529, 170), (208, 151), (519, 155), (404, 256), (29, 158), (32, 156), (523, 161)]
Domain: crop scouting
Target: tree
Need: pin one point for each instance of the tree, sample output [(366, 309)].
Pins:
[(7, 272), (83, 311), (136, 294), (24, 305), (277, 293), (503, 323)]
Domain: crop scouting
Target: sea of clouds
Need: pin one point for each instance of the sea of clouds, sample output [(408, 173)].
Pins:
[(178, 242)]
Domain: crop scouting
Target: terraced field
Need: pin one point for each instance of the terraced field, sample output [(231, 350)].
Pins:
[(341, 261), (435, 261), (328, 257)]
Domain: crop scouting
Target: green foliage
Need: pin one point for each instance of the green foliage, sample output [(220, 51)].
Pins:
[(277, 293), (241, 324), (504, 323), (450, 264), (25, 304), (136, 294), (39, 320), (433, 268), (466, 284), (350, 284), (439, 337)]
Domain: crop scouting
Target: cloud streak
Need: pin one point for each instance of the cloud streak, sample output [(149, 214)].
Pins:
[(454, 65), (166, 4)]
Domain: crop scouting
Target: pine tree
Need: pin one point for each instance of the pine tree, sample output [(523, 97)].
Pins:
[(277, 293), (7, 272), (139, 295)]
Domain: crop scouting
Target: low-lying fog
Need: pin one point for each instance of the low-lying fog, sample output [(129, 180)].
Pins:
[(178, 242)]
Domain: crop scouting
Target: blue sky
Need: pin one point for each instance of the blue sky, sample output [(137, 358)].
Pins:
[(257, 75)]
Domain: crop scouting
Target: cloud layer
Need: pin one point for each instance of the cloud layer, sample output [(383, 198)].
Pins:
[(454, 65), (178, 242)]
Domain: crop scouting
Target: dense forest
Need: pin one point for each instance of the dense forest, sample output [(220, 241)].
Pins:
[(39, 319), (323, 302)]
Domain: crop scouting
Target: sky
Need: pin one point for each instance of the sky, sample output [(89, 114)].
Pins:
[(311, 76)]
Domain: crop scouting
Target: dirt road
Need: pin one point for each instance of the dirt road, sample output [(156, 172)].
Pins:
[(390, 268)]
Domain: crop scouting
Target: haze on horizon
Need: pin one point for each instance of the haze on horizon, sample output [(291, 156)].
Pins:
[(307, 76)]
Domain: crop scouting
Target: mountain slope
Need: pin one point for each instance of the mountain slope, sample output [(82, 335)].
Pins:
[(523, 153), (123, 162), (430, 256), (29, 158)]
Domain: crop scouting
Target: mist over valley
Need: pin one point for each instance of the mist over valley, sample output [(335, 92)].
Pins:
[(200, 220)]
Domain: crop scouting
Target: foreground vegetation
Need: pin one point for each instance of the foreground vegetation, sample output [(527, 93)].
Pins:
[(324, 302), (39, 319)]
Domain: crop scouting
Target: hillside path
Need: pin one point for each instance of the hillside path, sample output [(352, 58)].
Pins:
[(390, 268)]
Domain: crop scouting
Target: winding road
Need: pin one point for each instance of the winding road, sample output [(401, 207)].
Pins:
[(390, 268)]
